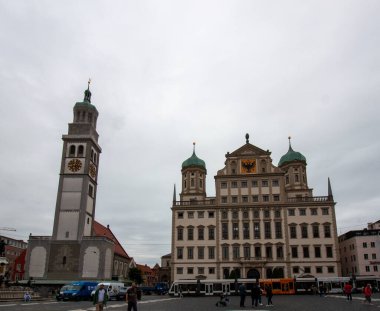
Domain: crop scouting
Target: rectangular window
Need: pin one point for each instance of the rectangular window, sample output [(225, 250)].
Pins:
[(264, 183), (180, 215), (256, 230), (91, 191), (224, 199), (325, 211), (223, 185), (225, 253), (211, 252), (179, 270), (373, 256), (234, 184), (190, 253), (315, 231), (236, 252), (329, 252), (364, 244), (244, 184), (235, 230), (296, 270), (277, 213), (211, 233), (304, 231), (293, 232), (327, 230), (266, 198), (267, 213), (318, 270), (330, 270), (190, 215), (211, 270), (291, 212), (234, 199), (211, 215), (307, 269), (275, 183), (258, 251), (267, 230), (246, 230), (190, 270), (294, 252), (256, 214), (179, 234), (306, 252), (201, 233), (375, 268), (190, 234), (314, 211), (278, 229), (225, 231), (366, 256), (254, 183), (372, 244), (201, 252), (244, 199), (317, 251), (276, 198), (302, 211), (201, 270), (201, 214), (247, 252), (179, 252), (255, 198), (268, 252), (280, 252)]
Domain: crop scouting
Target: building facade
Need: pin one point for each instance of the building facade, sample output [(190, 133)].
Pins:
[(13, 255), (74, 251), (263, 222), (360, 251)]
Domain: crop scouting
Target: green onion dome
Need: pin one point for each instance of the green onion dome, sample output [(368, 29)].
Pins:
[(194, 161), (291, 156)]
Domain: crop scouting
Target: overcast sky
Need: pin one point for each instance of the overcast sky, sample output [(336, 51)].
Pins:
[(167, 73)]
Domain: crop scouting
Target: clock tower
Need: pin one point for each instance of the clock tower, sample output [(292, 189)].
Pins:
[(75, 207)]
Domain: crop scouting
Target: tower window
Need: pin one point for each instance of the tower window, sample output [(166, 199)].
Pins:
[(72, 151), (90, 191), (64, 260), (88, 220), (67, 234), (80, 151)]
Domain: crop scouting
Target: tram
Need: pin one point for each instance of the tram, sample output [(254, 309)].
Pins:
[(208, 287)]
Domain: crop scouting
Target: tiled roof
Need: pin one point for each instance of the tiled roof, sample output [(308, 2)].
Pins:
[(144, 268), (100, 230)]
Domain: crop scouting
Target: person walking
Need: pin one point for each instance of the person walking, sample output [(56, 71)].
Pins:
[(368, 293), (242, 292), (255, 294), (269, 294), (348, 291), (100, 297), (131, 297)]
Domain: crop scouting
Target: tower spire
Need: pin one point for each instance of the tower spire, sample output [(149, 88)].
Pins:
[(247, 138), (329, 190), (87, 93), (174, 195), (290, 144), (193, 147)]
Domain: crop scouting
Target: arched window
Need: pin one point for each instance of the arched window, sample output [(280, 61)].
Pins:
[(80, 151), (72, 151)]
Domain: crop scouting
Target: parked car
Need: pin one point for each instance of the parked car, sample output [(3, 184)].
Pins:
[(80, 290), (122, 293)]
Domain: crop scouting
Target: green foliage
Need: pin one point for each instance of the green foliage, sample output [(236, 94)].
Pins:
[(135, 275)]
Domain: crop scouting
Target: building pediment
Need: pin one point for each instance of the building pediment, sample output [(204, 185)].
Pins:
[(248, 150)]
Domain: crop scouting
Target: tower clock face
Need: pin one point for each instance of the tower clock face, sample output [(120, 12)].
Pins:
[(92, 170), (248, 166), (74, 165)]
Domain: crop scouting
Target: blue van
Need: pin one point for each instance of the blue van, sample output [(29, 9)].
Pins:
[(80, 290)]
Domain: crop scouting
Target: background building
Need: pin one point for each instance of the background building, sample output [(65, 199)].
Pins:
[(12, 258), (264, 221), (360, 251)]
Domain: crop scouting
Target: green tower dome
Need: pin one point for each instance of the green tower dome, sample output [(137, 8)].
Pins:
[(194, 161), (291, 156)]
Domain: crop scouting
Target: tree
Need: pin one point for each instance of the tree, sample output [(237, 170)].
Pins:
[(135, 275)]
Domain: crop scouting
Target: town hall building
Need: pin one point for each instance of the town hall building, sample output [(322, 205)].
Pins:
[(264, 221)]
